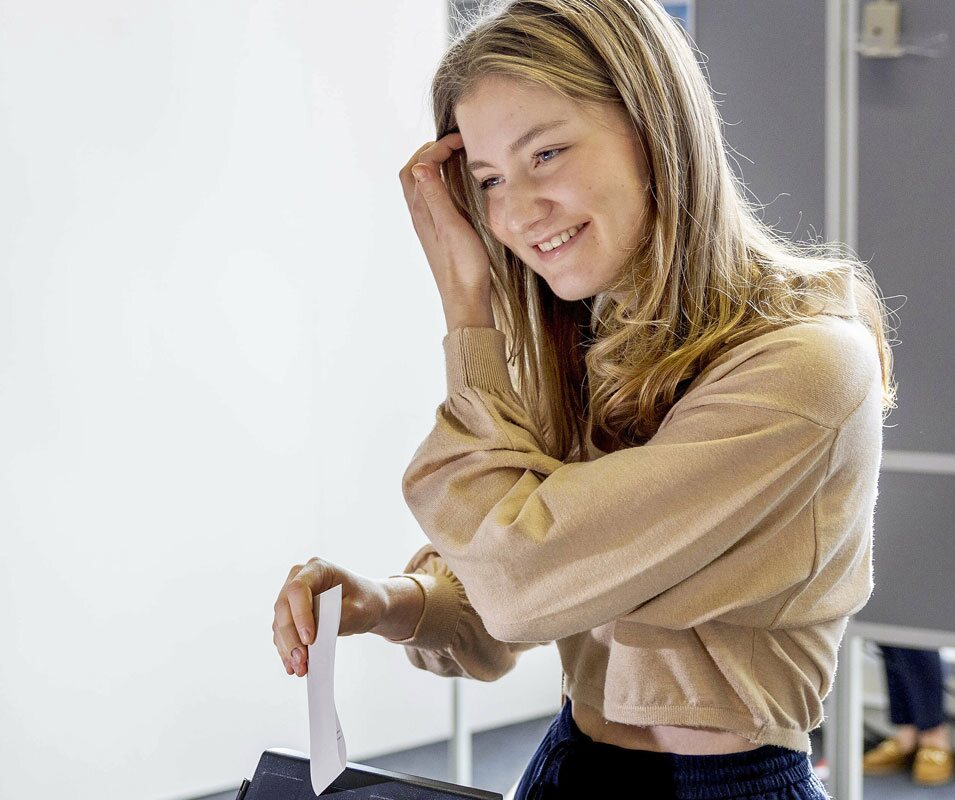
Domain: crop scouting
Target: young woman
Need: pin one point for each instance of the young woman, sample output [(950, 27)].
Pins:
[(680, 490)]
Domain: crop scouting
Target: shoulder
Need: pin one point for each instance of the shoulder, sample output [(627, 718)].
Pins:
[(821, 370)]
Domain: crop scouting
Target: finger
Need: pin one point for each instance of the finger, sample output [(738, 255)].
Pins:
[(281, 607), (295, 658), (288, 639), (299, 661), (436, 153), (314, 579), (404, 174), (431, 154), (300, 596), (285, 633), (291, 574), (423, 222), (444, 216), (279, 646), (283, 612), (414, 158)]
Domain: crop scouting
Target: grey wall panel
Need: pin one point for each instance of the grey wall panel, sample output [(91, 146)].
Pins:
[(907, 221), (765, 60), (769, 57), (914, 553), (906, 229)]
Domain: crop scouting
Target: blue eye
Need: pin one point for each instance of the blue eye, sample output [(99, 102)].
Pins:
[(540, 156)]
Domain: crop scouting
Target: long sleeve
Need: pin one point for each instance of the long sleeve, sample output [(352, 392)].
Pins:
[(450, 639), (707, 520)]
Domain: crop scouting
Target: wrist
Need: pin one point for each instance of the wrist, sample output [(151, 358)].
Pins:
[(404, 605), (474, 312)]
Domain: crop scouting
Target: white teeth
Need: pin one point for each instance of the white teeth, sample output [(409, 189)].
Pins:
[(559, 239)]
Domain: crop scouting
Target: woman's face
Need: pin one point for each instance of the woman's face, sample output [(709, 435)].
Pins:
[(589, 172)]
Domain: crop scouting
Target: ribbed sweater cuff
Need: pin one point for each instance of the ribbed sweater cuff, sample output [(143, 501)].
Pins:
[(476, 357), (442, 609)]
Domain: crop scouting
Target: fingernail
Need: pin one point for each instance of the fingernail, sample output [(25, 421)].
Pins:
[(306, 635), (296, 655), (420, 173)]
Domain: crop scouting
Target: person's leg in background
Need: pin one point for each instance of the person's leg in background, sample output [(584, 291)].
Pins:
[(914, 680), (916, 697)]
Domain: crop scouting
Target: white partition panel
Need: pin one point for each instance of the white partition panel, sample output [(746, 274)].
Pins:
[(219, 346)]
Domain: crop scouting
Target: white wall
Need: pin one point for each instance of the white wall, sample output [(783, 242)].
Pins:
[(220, 344)]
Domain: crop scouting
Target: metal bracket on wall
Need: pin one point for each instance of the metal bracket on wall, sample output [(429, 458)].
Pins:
[(882, 34)]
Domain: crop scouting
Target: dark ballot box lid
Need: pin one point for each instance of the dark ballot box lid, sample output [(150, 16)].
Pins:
[(283, 774)]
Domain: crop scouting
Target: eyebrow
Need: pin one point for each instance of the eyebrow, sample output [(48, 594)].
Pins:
[(523, 140)]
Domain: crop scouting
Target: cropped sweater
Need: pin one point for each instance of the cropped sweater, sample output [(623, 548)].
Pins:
[(702, 579)]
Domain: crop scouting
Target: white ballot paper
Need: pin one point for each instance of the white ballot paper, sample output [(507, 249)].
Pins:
[(327, 743)]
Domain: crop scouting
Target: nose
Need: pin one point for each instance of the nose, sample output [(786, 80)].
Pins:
[(522, 208)]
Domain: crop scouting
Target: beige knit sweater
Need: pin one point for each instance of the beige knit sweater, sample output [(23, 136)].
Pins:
[(703, 579)]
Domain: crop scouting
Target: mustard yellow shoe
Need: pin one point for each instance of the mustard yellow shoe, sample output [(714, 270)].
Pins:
[(933, 766), (887, 757)]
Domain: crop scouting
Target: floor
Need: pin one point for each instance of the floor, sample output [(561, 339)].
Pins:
[(499, 757)]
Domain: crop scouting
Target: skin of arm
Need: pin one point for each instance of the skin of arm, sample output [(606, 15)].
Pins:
[(403, 609), (469, 313)]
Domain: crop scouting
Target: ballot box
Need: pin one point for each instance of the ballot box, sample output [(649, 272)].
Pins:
[(284, 775)]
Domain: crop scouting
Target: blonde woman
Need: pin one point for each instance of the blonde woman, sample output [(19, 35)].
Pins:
[(663, 426)]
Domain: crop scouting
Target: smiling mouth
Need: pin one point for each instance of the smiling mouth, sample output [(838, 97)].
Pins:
[(549, 242), (556, 252)]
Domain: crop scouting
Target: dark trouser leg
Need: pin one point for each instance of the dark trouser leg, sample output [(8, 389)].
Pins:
[(914, 682)]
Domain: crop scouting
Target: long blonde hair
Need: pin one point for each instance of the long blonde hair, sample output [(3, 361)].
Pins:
[(708, 275)]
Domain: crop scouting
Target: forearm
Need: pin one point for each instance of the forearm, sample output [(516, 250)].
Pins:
[(403, 609), (473, 312)]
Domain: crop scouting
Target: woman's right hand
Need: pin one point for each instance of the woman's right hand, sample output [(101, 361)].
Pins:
[(364, 604)]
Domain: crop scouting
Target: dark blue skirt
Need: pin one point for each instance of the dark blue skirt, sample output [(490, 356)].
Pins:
[(569, 764)]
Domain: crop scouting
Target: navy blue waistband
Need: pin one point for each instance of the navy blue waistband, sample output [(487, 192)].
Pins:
[(696, 776)]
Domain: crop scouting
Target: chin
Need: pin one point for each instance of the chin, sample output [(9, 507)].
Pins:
[(569, 287), (571, 291)]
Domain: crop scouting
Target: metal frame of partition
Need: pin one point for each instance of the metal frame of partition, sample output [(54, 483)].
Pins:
[(459, 745)]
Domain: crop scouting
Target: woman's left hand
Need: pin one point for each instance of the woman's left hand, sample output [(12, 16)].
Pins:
[(456, 254)]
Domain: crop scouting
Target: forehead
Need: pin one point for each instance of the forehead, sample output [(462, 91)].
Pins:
[(497, 101), (497, 117), (503, 89)]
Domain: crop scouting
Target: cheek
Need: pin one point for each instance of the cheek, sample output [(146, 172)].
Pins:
[(495, 219)]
